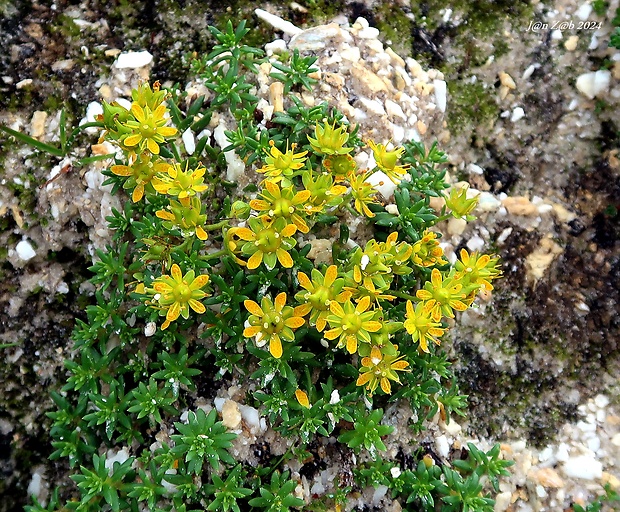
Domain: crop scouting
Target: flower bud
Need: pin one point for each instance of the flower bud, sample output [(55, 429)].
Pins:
[(240, 210)]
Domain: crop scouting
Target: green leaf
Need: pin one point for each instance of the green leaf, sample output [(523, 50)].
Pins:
[(42, 146)]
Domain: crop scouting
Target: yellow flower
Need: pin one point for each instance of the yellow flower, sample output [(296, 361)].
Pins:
[(181, 183), (266, 242), (177, 293), (375, 267), (443, 295), (319, 294), (280, 164), (323, 192), (386, 161), (459, 204), (148, 130), (285, 203), (426, 252), (380, 369), (147, 97), (477, 270), (363, 193), (141, 174), (351, 324), (340, 165), (272, 322), (330, 140), (421, 325), (187, 214)]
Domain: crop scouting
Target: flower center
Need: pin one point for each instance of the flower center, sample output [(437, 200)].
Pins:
[(182, 293), (148, 129), (268, 240), (320, 298), (282, 208), (351, 324)]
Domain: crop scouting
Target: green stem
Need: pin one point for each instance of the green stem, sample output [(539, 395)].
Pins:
[(214, 255), (281, 459), (402, 295), (443, 217), (214, 227)]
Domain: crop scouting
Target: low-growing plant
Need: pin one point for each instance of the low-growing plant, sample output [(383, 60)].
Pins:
[(202, 281)]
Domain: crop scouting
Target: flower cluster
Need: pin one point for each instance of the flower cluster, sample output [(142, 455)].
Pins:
[(345, 302), (141, 132)]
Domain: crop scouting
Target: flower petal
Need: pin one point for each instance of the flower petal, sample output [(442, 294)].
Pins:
[(284, 258), (288, 231), (173, 312), (302, 310), (198, 307), (332, 334), (363, 304), (399, 365), (121, 170), (251, 331), (336, 309), (294, 322), (330, 276), (372, 326), (243, 233), (137, 112), (364, 378), (175, 272), (304, 281), (152, 146), (166, 131), (201, 233), (132, 140), (385, 386), (137, 193), (255, 260), (253, 308), (302, 398), (351, 344), (163, 214), (280, 301), (275, 347)]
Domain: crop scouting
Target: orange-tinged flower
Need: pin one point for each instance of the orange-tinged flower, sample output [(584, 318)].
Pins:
[(187, 215), (421, 325), (379, 369), (177, 293), (477, 270), (340, 165), (319, 293), (272, 322), (443, 295), (426, 251), (141, 174), (148, 130), (351, 324)]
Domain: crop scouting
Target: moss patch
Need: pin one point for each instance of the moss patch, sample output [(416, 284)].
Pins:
[(470, 104)]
